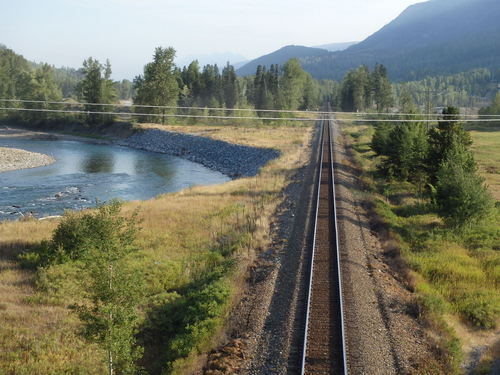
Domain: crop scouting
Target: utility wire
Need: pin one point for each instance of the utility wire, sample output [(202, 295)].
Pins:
[(232, 117), (155, 114), (240, 109)]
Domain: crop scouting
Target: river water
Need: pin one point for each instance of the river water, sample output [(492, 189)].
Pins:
[(86, 172)]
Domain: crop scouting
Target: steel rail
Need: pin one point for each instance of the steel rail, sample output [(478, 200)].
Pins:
[(311, 270), (333, 247), (337, 250)]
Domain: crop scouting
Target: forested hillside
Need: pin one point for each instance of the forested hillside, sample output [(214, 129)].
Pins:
[(432, 38), (280, 57), (469, 89)]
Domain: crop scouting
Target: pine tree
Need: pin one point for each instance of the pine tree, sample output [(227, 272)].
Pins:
[(461, 195), (444, 138), (381, 88), (230, 86), (97, 87)]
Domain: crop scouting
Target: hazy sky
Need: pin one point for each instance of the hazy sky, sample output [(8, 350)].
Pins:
[(65, 32)]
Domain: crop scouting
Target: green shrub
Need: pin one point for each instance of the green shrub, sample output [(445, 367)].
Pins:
[(461, 196), (202, 315), (480, 308), (381, 139), (77, 233)]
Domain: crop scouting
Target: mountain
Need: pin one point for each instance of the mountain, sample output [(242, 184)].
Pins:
[(333, 47), (431, 38), (219, 58), (280, 56), (239, 64)]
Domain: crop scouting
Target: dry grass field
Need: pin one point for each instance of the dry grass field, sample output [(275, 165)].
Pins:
[(486, 149)]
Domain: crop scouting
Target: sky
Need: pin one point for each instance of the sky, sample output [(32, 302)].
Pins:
[(65, 32)]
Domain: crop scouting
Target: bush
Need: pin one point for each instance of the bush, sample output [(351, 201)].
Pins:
[(381, 138), (406, 147), (77, 234), (481, 308), (461, 196)]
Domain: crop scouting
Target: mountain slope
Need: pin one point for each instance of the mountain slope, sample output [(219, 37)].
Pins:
[(435, 37), (280, 56), (333, 47)]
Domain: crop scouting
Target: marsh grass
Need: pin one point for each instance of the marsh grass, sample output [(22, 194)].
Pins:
[(456, 272), (195, 246)]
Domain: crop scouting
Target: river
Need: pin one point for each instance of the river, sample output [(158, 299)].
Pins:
[(86, 172)]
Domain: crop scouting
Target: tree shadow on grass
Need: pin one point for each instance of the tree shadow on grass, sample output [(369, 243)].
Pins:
[(414, 209), (10, 250), (479, 127)]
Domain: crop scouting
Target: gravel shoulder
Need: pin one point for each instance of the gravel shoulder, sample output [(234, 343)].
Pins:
[(383, 335)]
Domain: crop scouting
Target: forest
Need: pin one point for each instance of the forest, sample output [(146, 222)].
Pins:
[(286, 87)]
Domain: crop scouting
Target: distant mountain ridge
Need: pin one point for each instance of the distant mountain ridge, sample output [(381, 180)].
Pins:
[(334, 47), (280, 57), (219, 58), (431, 38)]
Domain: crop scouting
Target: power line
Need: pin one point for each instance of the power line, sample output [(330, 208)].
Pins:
[(232, 117), (156, 114), (239, 109)]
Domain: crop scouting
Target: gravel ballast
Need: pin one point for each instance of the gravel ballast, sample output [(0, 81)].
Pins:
[(13, 159), (231, 159)]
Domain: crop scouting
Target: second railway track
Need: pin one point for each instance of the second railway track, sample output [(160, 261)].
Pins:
[(324, 349)]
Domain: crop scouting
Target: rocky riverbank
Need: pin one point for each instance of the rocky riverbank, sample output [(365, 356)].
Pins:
[(231, 159), (12, 159)]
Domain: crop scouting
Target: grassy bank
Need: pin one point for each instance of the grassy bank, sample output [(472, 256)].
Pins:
[(455, 273), (486, 149), (195, 247)]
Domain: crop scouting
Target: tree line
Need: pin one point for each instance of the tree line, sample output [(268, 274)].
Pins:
[(362, 90), (467, 89), (281, 88), (162, 83)]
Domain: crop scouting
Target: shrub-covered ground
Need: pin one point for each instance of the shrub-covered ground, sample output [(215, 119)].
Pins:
[(456, 271)]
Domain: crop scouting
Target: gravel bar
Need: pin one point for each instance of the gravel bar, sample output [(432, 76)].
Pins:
[(13, 158)]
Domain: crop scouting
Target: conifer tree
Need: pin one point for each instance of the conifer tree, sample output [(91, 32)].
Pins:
[(230, 86), (97, 87)]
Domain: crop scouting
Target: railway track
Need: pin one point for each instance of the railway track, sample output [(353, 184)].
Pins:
[(324, 349)]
